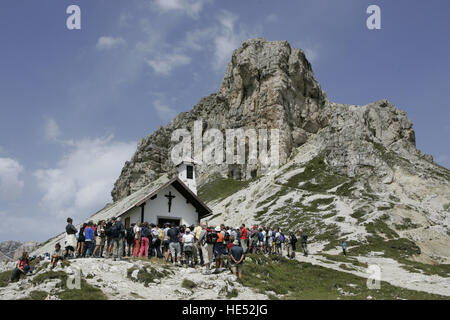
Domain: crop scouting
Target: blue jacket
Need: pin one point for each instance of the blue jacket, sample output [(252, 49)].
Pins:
[(89, 234)]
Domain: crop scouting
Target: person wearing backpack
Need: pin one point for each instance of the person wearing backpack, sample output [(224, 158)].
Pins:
[(108, 234), (344, 247), (182, 231), (89, 239), (80, 243), (261, 240), (304, 239), (278, 241), (118, 234), (129, 237), (174, 244), (188, 247), (282, 242), (206, 246), (156, 243), (254, 239), (292, 245), (219, 248), (145, 235)]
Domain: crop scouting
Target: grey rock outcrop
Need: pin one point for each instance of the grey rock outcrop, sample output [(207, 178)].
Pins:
[(268, 85), (28, 246), (7, 249), (12, 250)]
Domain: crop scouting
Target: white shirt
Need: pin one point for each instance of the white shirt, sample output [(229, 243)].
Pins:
[(188, 238), (136, 229), (166, 237)]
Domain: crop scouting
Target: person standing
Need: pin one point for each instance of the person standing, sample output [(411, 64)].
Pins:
[(261, 240), (292, 245), (278, 241), (174, 244), (344, 247), (100, 239), (188, 247), (117, 233), (269, 241), (89, 239), (108, 234), (130, 240), (166, 242), (304, 240), (206, 246), (244, 238), (197, 251), (219, 249), (145, 235), (237, 257), (80, 244), (137, 239), (71, 238), (156, 242)]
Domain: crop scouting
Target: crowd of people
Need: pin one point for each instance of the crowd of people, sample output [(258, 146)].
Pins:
[(202, 244), (213, 247)]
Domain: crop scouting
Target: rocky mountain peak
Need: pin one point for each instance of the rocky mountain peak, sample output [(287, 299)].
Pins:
[(268, 85)]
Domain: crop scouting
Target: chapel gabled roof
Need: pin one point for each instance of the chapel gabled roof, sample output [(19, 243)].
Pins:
[(140, 196)]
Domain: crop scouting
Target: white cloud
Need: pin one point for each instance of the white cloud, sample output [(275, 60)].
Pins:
[(227, 39), (11, 185), (105, 43), (311, 51), (125, 19), (164, 64), (52, 131), (27, 228), (271, 18), (164, 111), (81, 182), (199, 38), (190, 7)]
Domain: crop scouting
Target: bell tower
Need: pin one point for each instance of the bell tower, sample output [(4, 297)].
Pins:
[(186, 173)]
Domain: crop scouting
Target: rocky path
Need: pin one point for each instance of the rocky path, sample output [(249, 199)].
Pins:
[(116, 285), (391, 272), (111, 277)]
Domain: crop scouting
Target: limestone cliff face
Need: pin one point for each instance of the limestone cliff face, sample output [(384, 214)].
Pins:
[(268, 85), (12, 250)]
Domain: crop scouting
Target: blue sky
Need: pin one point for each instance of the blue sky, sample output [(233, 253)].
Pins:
[(75, 103)]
